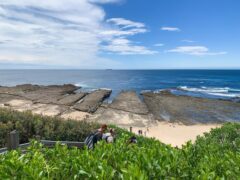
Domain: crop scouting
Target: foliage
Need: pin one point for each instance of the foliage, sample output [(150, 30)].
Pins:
[(31, 126), (217, 153), (214, 156)]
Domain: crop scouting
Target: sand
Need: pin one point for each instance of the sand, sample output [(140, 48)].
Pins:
[(175, 134)]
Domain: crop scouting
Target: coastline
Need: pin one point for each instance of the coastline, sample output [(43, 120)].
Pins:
[(169, 118)]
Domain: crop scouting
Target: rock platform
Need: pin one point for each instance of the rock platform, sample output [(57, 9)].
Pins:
[(127, 109)]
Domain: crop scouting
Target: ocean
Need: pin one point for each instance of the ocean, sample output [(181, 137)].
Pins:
[(223, 84)]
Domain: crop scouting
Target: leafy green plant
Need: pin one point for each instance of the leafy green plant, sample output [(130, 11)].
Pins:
[(31, 126), (216, 155)]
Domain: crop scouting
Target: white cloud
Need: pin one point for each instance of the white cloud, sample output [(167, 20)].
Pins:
[(118, 32), (104, 1), (117, 41), (159, 45), (10, 58), (195, 50), (62, 32), (125, 23), (167, 28), (126, 47)]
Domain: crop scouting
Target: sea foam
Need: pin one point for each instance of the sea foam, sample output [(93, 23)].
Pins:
[(214, 91)]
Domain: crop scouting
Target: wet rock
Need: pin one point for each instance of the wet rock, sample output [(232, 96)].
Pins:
[(92, 101), (71, 99), (190, 110), (129, 101)]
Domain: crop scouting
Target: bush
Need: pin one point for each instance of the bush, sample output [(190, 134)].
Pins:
[(51, 128), (216, 155)]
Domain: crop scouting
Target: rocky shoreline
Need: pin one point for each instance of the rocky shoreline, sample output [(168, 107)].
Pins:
[(127, 109)]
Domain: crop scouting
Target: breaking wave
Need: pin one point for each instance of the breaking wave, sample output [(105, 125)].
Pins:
[(82, 85), (214, 91)]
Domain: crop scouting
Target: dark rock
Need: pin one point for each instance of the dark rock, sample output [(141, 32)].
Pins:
[(49, 94), (130, 102), (189, 110), (92, 101), (27, 87), (40, 94), (71, 99)]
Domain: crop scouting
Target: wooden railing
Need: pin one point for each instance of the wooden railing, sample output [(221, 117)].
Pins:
[(13, 143)]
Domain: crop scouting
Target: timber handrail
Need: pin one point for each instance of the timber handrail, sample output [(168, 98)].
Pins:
[(13, 143)]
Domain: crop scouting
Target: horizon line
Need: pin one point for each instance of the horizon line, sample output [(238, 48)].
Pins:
[(112, 69)]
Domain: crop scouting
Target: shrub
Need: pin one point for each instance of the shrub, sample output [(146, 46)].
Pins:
[(216, 155), (32, 126)]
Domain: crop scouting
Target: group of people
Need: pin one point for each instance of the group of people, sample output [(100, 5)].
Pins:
[(100, 134), (103, 134)]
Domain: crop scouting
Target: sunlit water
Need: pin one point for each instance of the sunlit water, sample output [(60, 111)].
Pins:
[(203, 83)]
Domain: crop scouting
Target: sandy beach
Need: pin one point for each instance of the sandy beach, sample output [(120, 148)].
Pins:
[(175, 134)]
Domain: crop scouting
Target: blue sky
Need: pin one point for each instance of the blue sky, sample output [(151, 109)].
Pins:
[(120, 34)]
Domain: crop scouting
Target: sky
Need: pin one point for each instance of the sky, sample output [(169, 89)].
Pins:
[(119, 34)]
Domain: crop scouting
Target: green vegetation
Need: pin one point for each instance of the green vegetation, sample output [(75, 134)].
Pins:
[(216, 155), (32, 126)]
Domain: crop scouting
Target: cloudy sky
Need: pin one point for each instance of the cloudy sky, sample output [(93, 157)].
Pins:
[(119, 34)]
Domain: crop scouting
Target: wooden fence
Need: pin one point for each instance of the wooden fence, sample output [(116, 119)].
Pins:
[(13, 143)]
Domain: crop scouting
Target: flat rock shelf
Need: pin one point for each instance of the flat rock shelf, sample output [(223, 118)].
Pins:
[(127, 108)]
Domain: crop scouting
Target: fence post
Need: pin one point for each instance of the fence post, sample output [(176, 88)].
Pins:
[(13, 140)]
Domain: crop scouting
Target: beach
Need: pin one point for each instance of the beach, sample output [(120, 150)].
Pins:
[(175, 134), (169, 118)]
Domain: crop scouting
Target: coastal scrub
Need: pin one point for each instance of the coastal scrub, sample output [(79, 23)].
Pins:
[(216, 155)]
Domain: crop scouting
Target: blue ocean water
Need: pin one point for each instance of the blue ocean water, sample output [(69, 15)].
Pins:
[(203, 83)]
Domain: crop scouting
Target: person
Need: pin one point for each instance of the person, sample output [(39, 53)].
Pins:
[(109, 137), (140, 132), (132, 140), (131, 129), (93, 138)]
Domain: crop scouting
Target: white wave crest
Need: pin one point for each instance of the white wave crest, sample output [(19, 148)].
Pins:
[(81, 85), (205, 89), (226, 95), (215, 91)]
